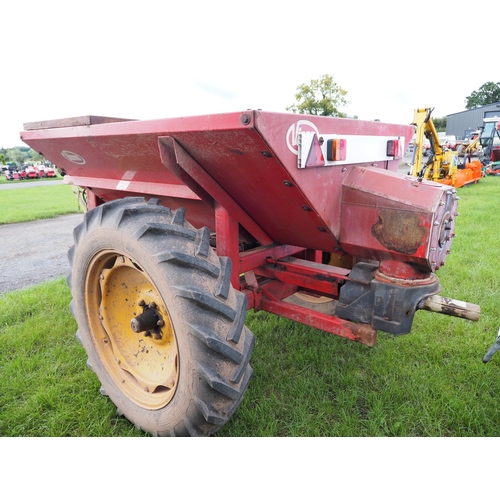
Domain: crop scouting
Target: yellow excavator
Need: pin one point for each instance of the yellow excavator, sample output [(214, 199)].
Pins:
[(442, 165)]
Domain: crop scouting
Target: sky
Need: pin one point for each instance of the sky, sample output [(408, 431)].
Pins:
[(148, 59)]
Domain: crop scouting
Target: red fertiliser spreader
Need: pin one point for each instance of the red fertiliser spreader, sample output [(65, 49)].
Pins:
[(191, 221)]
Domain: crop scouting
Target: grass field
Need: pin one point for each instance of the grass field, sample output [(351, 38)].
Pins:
[(431, 382), (42, 202)]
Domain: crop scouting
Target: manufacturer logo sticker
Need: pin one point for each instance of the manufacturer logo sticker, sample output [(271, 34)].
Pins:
[(73, 157), (294, 131)]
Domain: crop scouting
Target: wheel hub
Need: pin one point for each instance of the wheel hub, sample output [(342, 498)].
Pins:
[(150, 321)]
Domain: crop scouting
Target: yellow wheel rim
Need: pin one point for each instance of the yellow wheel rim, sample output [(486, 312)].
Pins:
[(144, 365)]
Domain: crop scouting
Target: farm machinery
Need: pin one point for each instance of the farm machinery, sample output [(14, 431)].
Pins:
[(192, 221), (442, 165), (490, 145)]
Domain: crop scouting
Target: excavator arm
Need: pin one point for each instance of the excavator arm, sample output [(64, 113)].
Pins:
[(441, 163)]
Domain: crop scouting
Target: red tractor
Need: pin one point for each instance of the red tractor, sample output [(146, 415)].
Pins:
[(191, 221)]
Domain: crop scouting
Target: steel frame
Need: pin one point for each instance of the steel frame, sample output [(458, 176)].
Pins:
[(270, 273)]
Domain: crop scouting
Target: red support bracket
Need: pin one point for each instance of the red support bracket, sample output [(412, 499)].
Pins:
[(361, 333), (226, 231), (189, 171), (320, 278)]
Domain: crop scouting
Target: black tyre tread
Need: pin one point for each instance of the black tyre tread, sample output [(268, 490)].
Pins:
[(239, 322), (211, 340), (202, 242), (154, 228), (206, 301), (248, 345), (189, 261), (201, 281), (224, 283)]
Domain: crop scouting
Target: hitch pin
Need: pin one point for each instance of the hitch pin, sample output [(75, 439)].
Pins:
[(493, 349)]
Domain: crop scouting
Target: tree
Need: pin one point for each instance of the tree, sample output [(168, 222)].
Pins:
[(488, 93), (321, 97), (35, 156), (440, 124), (15, 154)]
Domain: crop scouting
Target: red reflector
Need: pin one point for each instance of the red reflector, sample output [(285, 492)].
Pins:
[(315, 157), (393, 148), (336, 149)]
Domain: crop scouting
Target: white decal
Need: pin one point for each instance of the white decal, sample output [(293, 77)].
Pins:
[(73, 157), (295, 129), (123, 185)]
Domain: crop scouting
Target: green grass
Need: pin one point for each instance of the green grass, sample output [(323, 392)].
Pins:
[(431, 382), (41, 202)]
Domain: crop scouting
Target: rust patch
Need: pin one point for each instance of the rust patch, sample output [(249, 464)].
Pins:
[(399, 231), (363, 333)]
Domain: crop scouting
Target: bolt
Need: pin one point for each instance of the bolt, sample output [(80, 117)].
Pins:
[(457, 214), (141, 303), (436, 223), (160, 322), (322, 229), (433, 249), (307, 209), (118, 361), (287, 183), (152, 305), (267, 154), (344, 169)]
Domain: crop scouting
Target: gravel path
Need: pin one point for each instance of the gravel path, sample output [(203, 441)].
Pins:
[(34, 252)]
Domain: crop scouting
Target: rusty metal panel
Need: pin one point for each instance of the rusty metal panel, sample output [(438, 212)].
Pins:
[(386, 216)]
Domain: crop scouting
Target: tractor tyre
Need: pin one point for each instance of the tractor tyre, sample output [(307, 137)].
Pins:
[(161, 324)]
